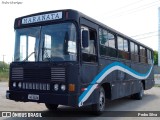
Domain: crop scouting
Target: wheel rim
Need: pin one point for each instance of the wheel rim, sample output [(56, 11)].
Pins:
[(101, 101), (142, 91)]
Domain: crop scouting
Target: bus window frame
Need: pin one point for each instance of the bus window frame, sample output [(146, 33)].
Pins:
[(96, 45), (107, 47), (120, 51)]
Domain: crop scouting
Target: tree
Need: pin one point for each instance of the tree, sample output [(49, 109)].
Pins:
[(3, 66), (155, 58)]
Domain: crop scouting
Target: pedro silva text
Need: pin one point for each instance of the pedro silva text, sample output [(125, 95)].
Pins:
[(147, 114)]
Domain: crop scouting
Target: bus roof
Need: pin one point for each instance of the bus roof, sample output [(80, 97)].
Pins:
[(79, 14)]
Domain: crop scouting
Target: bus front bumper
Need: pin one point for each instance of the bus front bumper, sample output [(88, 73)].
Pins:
[(50, 98)]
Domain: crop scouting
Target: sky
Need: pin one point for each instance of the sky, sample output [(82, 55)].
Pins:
[(133, 18)]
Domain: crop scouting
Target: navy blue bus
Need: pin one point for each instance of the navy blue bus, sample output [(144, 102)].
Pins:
[(64, 57)]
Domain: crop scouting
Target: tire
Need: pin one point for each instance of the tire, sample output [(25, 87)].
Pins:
[(51, 107), (139, 95), (99, 107)]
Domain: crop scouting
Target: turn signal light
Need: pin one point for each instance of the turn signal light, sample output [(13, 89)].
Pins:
[(71, 87)]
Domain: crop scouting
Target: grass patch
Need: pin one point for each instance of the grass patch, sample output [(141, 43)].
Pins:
[(157, 85), (4, 76)]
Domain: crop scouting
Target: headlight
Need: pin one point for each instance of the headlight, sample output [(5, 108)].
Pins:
[(55, 87), (19, 84), (63, 87), (14, 84)]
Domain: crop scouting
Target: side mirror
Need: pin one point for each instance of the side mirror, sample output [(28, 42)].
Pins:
[(85, 38)]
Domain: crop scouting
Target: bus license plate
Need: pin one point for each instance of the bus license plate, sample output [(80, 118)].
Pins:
[(33, 97)]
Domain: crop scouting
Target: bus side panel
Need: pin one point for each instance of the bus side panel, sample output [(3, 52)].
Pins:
[(149, 83), (123, 84), (87, 74), (144, 68), (112, 78), (104, 62), (124, 88)]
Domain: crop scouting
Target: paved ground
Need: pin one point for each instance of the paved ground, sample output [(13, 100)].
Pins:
[(150, 102), (157, 81)]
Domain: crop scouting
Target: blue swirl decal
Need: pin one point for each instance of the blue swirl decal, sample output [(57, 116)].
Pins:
[(107, 70)]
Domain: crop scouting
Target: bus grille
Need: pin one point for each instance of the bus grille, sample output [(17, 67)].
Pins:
[(17, 74), (37, 74), (58, 74), (41, 74), (35, 86)]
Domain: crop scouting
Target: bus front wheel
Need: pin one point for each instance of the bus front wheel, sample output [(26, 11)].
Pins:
[(51, 107), (99, 107)]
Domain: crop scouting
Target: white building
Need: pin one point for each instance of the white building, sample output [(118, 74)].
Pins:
[(159, 36)]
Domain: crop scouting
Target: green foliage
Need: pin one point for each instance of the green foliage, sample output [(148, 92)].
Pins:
[(4, 71), (156, 85), (3, 66), (155, 58)]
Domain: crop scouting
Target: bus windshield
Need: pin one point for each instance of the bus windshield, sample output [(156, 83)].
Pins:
[(55, 42)]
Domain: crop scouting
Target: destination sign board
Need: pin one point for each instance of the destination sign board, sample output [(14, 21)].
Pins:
[(42, 18)]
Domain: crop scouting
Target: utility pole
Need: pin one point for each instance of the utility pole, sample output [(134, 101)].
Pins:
[(3, 58), (159, 36), (3, 61)]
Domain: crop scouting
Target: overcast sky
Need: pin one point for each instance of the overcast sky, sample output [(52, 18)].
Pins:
[(131, 17)]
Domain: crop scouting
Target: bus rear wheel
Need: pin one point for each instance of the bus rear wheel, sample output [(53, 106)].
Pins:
[(139, 95), (99, 107), (52, 107)]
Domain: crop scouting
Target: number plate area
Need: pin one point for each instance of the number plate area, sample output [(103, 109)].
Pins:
[(33, 97)]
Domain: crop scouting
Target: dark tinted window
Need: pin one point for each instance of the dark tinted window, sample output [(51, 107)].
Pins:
[(136, 49), (111, 40), (149, 56), (125, 45), (107, 43), (134, 52), (143, 55), (123, 48), (120, 43), (132, 47), (106, 38), (142, 51)]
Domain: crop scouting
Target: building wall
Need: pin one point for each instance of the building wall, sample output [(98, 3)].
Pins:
[(159, 36), (156, 69), (157, 74)]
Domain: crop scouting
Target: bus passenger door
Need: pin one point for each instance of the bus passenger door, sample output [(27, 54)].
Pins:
[(89, 58)]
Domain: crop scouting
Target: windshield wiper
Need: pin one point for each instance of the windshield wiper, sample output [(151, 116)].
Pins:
[(46, 54), (28, 56)]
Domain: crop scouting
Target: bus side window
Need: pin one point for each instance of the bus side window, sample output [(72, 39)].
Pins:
[(149, 56), (89, 53), (123, 51), (143, 57), (107, 43)]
